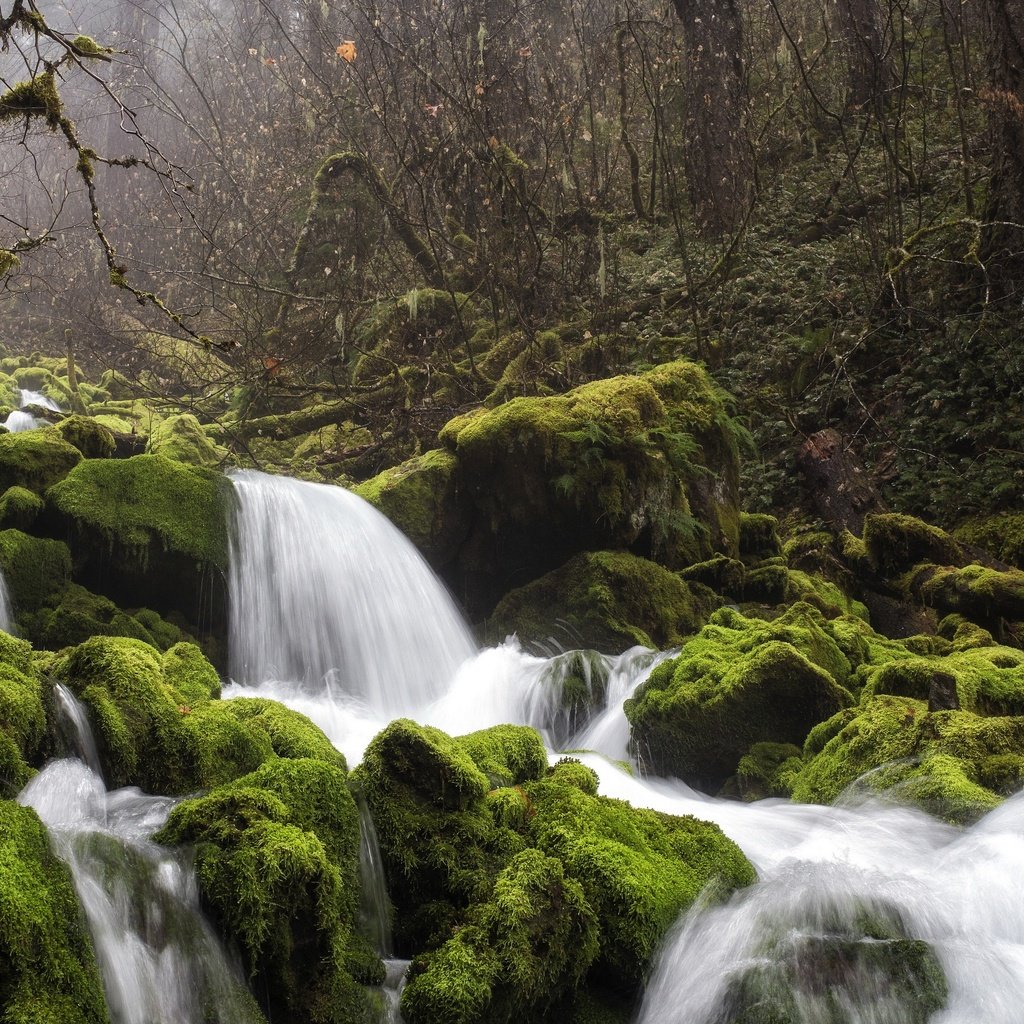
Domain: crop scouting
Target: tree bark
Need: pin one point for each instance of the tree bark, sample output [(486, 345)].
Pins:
[(717, 151), (1003, 239), (870, 70)]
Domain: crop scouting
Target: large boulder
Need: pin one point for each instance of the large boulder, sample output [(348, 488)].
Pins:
[(147, 531), (647, 464), (516, 886), (739, 682)]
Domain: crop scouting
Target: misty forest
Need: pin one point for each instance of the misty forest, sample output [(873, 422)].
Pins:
[(511, 511)]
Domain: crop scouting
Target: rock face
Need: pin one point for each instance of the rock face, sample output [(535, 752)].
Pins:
[(647, 464)]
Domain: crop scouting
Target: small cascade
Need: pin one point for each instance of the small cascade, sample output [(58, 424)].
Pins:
[(6, 611), (160, 961), (375, 916), (374, 904), (73, 723), (327, 594), (20, 420)]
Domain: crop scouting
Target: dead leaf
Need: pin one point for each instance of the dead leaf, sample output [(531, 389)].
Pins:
[(347, 50)]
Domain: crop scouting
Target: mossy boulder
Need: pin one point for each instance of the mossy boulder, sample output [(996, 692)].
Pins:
[(77, 614), (22, 715), (19, 508), (159, 725), (768, 769), (647, 464), (520, 885), (607, 601), (854, 954), (181, 437), (422, 499), (277, 862), (36, 459), (759, 536), (47, 968), (975, 591), (896, 542), (955, 764), (739, 682), (34, 569), (92, 439), (147, 531)]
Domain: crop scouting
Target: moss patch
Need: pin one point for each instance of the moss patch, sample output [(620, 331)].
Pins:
[(35, 459)]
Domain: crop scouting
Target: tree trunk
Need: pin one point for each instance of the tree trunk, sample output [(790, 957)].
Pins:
[(718, 159), (1003, 239), (870, 70)]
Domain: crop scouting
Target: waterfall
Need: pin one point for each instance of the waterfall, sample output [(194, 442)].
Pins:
[(19, 420), (6, 611), (160, 961), (329, 598)]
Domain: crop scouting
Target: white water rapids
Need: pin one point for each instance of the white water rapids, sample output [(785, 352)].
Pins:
[(336, 615), (19, 420)]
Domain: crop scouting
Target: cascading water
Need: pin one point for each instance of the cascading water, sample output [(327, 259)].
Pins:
[(160, 961), (327, 595), (6, 612), (334, 574), (20, 420)]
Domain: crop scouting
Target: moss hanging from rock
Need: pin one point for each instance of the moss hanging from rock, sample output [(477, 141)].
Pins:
[(19, 508), (22, 715), (35, 570)]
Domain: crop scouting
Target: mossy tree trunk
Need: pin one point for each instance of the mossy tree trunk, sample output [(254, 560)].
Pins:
[(719, 163)]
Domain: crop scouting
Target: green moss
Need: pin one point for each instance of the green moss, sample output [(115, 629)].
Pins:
[(276, 857), (940, 760), (91, 438), (724, 575), (507, 754), (419, 497), (605, 600), (768, 769), (49, 973), (35, 459), (22, 715), (291, 735), (739, 682), (180, 437), (823, 594), (974, 591), (19, 508), (35, 570), (1002, 535), (759, 536), (894, 543), (131, 506)]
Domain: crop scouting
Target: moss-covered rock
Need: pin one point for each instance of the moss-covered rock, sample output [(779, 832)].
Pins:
[(47, 970), (768, 769), (19, 508), (645, 463), (147, 531), (92, 439), (276, 857), (975, 591), (522, 895), (607, 601), (895, 542), (180, 437), (1002, 535), (422, 499), (35, 570), (77, 614), (35, 459), (952, 763), (759, 536), (22, 714), (853, 955), (739, 682)]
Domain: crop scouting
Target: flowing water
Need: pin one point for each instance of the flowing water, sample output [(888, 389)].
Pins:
[(20, 420), (159, 959), (6, 612), (336, 615)]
